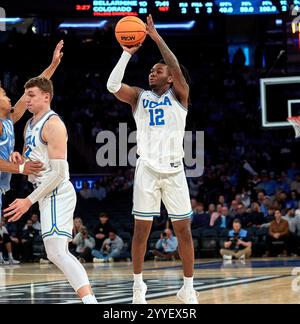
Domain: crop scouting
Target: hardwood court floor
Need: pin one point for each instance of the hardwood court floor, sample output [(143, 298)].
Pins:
[(254, 282)]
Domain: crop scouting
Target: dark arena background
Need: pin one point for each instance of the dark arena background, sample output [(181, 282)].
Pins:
[(243, 58)]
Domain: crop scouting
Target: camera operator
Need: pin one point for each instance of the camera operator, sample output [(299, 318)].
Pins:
[(166, 247), (237, 244), (84, 244)]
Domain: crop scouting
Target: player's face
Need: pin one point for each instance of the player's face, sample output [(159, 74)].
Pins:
[(5, 105), (36, 99), (159, 76)]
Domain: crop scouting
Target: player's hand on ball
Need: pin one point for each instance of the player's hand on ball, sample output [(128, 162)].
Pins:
[(151, 30), (131, 50), (58, 54), (17, 209), (16, 158), (33, 168)]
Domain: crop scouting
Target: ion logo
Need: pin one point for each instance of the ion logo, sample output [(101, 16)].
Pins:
[(2, 19), (128, 38)]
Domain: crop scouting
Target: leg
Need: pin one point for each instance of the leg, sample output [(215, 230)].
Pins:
[(227, 252), (246, 252), (139, 244), (185, 245), (58, 253)]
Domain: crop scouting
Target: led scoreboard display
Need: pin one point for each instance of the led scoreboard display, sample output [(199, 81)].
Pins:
[(184, 8)]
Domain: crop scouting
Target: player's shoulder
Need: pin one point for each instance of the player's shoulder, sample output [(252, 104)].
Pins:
[(54, 121)]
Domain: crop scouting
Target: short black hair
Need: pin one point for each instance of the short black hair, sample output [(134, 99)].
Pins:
[(184, 71)]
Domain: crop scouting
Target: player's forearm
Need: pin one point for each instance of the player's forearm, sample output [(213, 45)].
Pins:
[(168, 56), (51, 181), (49, 71), (114, 82), (8, 167)]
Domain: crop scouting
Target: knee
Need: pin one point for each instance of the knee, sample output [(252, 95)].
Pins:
[(184, 234), (140, 236), (54, 256)]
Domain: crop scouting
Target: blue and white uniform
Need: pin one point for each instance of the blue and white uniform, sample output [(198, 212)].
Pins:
[(159, 173), (7, 145), (58, 207)]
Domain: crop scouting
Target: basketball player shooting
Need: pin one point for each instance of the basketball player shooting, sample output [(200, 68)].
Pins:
[(45, 139), (160, 116)]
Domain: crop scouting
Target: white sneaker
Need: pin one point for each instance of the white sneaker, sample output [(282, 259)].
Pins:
[(139, 294), (96, 260), (44, 261), (227, 257), (2, 261), (188, 296), (13, 261)]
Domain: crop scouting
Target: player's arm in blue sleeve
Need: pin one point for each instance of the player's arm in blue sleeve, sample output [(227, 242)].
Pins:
[(180, 86), (20, 107)]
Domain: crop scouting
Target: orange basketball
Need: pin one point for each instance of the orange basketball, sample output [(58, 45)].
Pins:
[(130, 31)]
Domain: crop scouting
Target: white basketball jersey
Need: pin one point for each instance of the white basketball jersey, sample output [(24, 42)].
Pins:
[(160, 122), (36, 148)]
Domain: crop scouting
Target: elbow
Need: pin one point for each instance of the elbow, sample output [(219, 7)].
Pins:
[(113, 87)]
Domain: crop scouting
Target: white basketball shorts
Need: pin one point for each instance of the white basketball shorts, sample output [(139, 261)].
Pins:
[(150, 187), (57, 210)]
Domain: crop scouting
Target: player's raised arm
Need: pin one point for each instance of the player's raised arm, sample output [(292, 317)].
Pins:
[(121, 90), (20, 107), (180, 86)]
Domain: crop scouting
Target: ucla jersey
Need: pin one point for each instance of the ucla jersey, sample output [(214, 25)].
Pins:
[(36, 148), (7, 145), (160, 122)]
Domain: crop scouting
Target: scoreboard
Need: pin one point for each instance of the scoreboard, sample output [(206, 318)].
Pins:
[(183, 8)]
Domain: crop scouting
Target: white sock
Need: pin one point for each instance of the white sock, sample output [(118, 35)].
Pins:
[(89, 299), (188, 283), (1, 256), (10, 256), (138, 279)]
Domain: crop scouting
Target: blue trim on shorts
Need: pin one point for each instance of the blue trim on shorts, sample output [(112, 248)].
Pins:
[(54, 228)]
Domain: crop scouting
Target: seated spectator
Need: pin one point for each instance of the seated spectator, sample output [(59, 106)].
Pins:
[(233, 208), (278, 232), (98, 192), (85, 192), (238, 243), (5, 242), (112, 248), (255, 216), (200, 218), (215, 215), (35, 223), (27, 238), (84, 244), (166, 247), (297, 212), (101, 231), (295, 185), (221, 200), (224, 220), (77, 224), (294, 225), (242, 215), (15, 236), (293, 200)]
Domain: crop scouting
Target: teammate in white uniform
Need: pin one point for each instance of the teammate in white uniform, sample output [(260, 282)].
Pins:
[(160, 116), (12, 162), (46, 141)]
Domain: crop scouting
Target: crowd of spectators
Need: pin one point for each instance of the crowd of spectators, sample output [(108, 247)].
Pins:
[(250, 173)]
